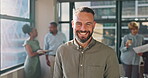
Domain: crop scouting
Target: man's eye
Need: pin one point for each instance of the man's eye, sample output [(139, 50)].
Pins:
[(88, 24), (79, 24)]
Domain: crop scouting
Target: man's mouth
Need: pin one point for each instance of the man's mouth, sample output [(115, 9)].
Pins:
[(83, 32)]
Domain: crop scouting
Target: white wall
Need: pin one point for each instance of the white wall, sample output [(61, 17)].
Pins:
[(44, 14)]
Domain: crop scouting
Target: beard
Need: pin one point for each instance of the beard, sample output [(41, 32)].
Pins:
[(83, 39), (52, 32)]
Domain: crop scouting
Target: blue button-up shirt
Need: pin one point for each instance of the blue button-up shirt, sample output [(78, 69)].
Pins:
[(52, 42), (128, 55)]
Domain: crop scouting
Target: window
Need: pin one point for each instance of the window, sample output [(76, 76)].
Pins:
[(103, 3), (138, 13), (14, 14), (64, 12), (135, 10), (64, 19), (105, 33), (143, 10), (65, 30), (128, 8), (17, 8), (104, 9)]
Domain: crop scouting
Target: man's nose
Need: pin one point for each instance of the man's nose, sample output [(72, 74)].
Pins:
[(83, 27)]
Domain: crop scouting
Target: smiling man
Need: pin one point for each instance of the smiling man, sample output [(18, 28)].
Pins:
[(84, 57)]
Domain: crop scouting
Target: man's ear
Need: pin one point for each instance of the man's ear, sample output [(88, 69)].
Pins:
[(94, 24), (72, 22)]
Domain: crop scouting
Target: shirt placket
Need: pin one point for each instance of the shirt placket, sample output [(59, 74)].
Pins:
[(135, 45), (81, 64)]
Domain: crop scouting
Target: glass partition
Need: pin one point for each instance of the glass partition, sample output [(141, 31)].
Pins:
[(13, 15), (12, 37), (106, 33), (64, 16), (103, 9), (65, 30), (17, 8)]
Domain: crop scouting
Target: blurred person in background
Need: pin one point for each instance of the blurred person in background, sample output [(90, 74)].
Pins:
[(129, 57), (145, 59), (52, 40), (32, 67)]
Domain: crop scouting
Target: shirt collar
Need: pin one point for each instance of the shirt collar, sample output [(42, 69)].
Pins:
[(77, 46), (133, 35), (54, 35)]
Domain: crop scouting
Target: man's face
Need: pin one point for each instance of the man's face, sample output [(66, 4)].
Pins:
[(52, 29), (83, 25)]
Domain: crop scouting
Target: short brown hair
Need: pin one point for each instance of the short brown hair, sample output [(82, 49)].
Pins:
[(54, 24), (132, 25), (84, 9)]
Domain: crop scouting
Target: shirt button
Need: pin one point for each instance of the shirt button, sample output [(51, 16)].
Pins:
[(81, 65), (82, 52)]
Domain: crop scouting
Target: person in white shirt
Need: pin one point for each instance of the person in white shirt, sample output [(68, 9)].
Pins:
[(52, 40)]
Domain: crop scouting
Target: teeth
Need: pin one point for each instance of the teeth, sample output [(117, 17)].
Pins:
[(83, 33)]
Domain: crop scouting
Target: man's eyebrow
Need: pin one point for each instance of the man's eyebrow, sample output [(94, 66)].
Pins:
[(78, 22), (89, 23)]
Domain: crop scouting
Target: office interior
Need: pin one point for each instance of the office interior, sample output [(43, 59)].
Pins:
[(111, 16)]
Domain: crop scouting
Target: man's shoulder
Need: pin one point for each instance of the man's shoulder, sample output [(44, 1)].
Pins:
[(127, 35), (101, 44), (60, 33), (67, 44), (104, 47), (47, 34), (140, 35)]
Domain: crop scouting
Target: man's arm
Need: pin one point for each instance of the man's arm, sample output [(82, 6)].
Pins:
[(123, 47), (46, 47), (47, 60), (58, 71), (112, 67), (145, 54)]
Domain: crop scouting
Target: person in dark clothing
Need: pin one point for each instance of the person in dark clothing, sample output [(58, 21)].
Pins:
[(145, 59)]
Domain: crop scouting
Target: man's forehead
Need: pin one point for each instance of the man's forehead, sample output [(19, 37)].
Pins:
[(83, 20), (83, 15), (51, 25)]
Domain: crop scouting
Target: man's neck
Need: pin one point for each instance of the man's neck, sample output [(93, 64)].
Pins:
[(84, 45), (55, 33)]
